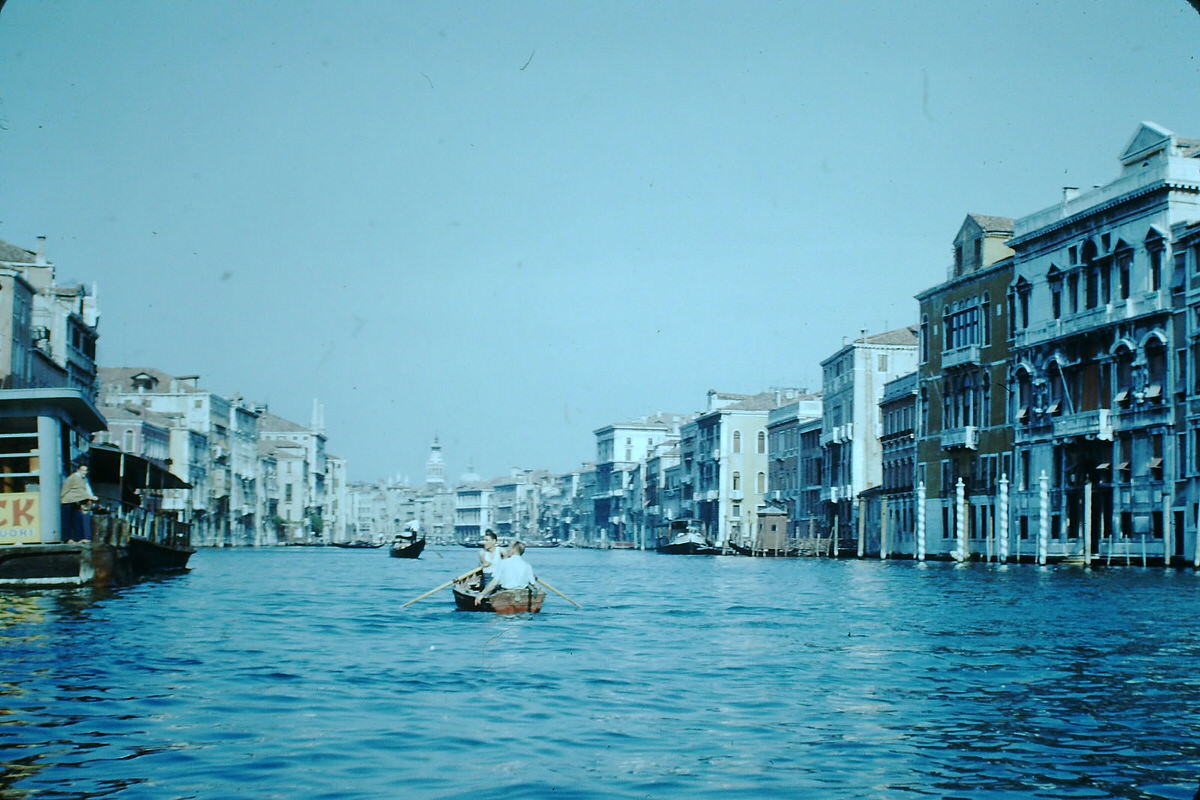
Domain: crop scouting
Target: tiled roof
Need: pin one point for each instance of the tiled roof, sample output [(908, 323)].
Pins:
[(17, 255), (993, 224), (272, 423), (129, 411), (903, 336), (123, 378)]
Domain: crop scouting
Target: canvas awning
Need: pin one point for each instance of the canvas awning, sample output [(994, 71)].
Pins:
[(107, 464)]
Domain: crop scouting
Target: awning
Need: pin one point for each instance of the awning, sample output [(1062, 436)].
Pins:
[(107, 464)]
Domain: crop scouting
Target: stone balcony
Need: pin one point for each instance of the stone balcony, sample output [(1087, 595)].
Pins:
[(1095, 424), (954, 438), (961, 357), (1089, 319)]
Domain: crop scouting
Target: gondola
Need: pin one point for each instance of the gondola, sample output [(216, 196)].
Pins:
[(407, 547), (502, 601), (359, 545)]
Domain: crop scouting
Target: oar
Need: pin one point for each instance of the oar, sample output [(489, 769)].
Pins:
[(557, 592), (437, 589)]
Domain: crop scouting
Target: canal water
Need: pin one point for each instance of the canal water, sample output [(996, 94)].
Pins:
[(294, 673)]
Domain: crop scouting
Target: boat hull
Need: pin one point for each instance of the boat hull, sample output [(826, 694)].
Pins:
[(409, 550), (504, 601), (689, 549), (148, 557)]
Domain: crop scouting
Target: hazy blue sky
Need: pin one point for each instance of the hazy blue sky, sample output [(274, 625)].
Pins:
[(511, 223)]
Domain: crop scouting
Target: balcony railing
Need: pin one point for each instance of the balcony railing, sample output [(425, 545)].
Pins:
[(967, 437), (1087, 319), (969, 355), (1096, 424)]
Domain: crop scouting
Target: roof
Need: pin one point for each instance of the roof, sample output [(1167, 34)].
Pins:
[(129, 411), (902, 336), (273, 423), (992, 224), (122, 378), (16, 255)]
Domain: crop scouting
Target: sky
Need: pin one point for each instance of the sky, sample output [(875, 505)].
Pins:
[(509, 224)]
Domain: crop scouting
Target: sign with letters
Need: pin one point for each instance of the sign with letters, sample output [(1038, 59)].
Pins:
[(20, 518)]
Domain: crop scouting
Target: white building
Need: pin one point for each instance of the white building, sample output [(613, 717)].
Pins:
[(853, 382)]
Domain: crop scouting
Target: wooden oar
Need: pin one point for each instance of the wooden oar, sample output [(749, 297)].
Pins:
[(437, 589), (557, 592)]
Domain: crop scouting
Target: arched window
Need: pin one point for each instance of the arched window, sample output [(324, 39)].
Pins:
[(737, 441), (1123, 375), (1156, 370), (760, 484), (762, 442), (127, 444), (737, 481), (1024, 390), (924, 338), (1054, 389), (1123, 264)]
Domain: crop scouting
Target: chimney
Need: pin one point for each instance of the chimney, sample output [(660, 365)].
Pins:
[(40, 256), (1070, 193)]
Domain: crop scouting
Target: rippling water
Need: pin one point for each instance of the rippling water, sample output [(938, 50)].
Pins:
[(294, 673)]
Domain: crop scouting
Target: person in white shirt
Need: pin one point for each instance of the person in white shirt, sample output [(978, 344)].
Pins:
[(489, 557), (513, 572)]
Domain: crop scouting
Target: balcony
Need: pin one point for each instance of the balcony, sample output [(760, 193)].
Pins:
[(954, 438), (1096, 424), (1089, 319), (735, 494), (962, 356)]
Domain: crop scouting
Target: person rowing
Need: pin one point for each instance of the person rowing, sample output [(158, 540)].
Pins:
[(489, 556), (513, 572)]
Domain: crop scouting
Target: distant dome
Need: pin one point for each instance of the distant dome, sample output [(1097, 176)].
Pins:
[(470, 476)]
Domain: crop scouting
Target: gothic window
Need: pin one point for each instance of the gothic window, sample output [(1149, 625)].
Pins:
[(1024, 387), (924, 338), (1123, 375), (1054, 389), (1156, 370)]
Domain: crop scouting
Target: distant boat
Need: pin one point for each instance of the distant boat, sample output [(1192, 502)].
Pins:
[(502, 601), (766, 552), (358, 545), (686, 537), (407, 547)]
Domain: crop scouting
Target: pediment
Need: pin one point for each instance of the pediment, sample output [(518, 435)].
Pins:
[(1148, 140)]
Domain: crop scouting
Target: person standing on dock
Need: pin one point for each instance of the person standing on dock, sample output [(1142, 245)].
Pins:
[(76, 501)]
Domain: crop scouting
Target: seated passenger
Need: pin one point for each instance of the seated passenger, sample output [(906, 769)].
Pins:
[(513, 572)]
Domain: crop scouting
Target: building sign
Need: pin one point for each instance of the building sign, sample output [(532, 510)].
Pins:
[(20, 518)]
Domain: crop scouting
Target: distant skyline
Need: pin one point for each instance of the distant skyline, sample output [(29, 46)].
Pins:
[(508, 225)]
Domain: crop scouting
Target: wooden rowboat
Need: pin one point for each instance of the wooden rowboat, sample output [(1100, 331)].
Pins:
[(502, 601)]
